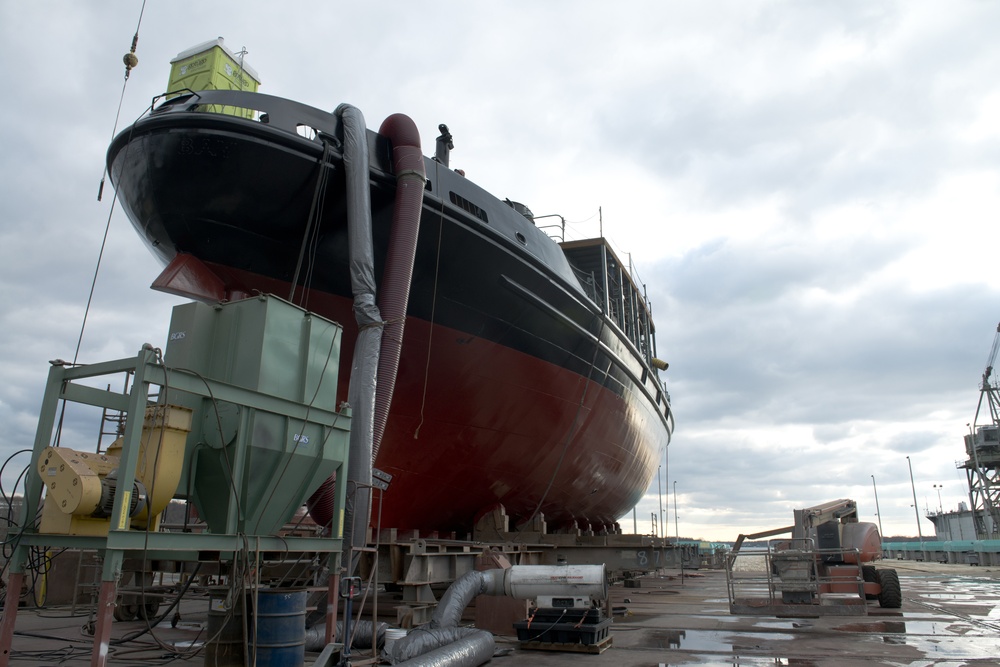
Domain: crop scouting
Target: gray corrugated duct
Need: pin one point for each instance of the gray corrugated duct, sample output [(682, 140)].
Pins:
[(364, 366), (462, 592), (373, 370), (360, 629), (443, 644), (444, 647)]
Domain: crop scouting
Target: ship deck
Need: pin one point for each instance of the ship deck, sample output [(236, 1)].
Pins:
[(950, 617)]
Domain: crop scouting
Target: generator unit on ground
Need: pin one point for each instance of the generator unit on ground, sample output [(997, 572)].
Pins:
[(571, 621)]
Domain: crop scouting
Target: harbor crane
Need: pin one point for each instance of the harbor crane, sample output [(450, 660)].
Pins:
[(982, 447)]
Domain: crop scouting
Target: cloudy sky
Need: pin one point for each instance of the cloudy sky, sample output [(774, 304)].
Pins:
[(809, 190)]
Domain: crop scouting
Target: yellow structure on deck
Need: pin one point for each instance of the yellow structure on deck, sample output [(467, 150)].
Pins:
[(212, 66)]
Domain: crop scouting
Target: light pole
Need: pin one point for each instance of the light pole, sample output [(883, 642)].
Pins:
[(938, 487), (666, 476), (659, 484), (677, 533), (878, 512), (916, 510)]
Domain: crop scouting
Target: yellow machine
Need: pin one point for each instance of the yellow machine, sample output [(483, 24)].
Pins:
[(81, 487)]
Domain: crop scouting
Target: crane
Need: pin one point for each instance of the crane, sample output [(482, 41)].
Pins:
[(982, 445)]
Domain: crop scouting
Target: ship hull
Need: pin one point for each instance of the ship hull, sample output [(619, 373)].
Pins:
[(513, 389)]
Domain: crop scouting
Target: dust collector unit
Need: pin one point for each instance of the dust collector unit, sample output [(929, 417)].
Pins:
[(249, 467)]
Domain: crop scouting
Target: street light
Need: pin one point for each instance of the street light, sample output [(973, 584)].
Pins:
[(940, 506), (666, 477), (878, 512), (916, 510), (659, 484), (677, 531)]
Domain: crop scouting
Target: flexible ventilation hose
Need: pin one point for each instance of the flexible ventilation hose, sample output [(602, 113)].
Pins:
[(380, 336), (408, 166), (364, 365)]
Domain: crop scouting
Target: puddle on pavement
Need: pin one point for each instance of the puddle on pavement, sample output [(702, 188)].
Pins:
[(710, 641), (949, 628), (784, 625), (744, 661), (967, 648)]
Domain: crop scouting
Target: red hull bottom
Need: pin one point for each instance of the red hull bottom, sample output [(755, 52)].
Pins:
[(474, 424)]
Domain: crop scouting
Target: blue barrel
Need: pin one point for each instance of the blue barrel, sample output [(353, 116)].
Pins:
[(281, 628)]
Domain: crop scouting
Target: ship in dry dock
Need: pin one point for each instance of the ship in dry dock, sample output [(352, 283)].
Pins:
[(527, 376)]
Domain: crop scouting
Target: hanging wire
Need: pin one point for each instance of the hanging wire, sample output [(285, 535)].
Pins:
[(310, 236), (130, 60)]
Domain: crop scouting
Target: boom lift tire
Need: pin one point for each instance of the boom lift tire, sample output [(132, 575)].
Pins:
[(891, 596), (870, 576)]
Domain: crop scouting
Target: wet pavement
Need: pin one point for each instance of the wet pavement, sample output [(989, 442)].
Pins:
[(950, 618)]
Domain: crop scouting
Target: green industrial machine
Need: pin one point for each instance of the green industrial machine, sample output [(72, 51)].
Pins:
[(247, 469), (243, 403)]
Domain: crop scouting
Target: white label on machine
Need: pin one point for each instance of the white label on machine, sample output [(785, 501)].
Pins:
[(126, 501)]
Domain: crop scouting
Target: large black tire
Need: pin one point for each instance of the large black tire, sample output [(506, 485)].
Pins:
[(870, 576), (891, 596)]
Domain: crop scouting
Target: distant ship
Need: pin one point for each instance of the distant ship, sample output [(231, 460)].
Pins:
[(528, 375)]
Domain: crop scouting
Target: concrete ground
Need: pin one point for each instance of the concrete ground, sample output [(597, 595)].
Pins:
[(950, 618)]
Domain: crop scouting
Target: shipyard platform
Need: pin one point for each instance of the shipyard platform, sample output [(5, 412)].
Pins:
[(950, 617)]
